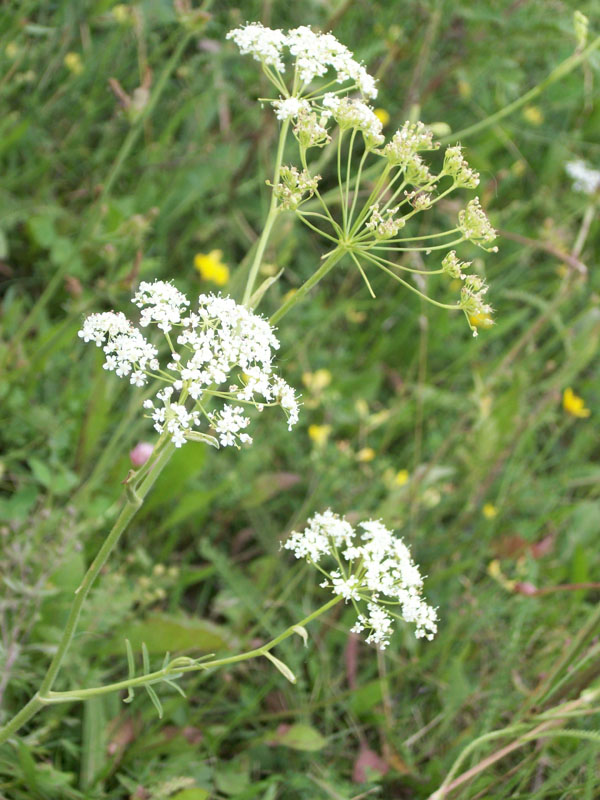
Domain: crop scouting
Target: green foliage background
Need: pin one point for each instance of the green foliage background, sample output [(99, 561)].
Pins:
[(94, 197)]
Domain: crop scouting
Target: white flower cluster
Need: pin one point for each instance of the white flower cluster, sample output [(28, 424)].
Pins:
[(585, 179), (219, 341), (457, 167), (264, 44), (314, 54), (352, 113), (474, 224), (472, 298), (410, 139), (295, 187), (127, 352), (375, 572), (385, 225), (290, 107)]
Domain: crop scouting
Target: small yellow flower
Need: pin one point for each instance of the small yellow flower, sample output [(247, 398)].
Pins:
[(533, 115), (464, 89), (382, 115), (12, 50), (362, 407), (121, 13), (402, 477), (317, 381), (484, 321), (489, 511), (352, 315), (288, 295), (211, 268), (365, 455), (319, 434), (574, 405), (73, 63), (494, 570)]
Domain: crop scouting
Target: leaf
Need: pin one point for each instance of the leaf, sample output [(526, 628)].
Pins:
[(283, 668), (204, 438), (155, 701), (93, 754), (298, 737), (131, 670), (268, 485), (191, 794), (259, 293), (162, 632), (301, 631)]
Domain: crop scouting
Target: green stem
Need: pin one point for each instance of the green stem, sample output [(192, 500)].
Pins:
[(175, 670), (135, 497), (377, 261), (557, 73), (299, 295), (262, 242)]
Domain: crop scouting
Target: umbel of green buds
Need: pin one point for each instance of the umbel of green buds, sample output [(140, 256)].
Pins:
[(295, 187), (323, 97)]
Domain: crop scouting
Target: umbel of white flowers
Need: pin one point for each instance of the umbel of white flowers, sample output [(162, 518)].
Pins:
[(219, 343), (312, 101), (375, 572)]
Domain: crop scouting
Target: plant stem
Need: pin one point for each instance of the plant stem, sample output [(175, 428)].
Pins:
[(135, 497), (559, 72), (174, 670), (299, 295), (262, 242)]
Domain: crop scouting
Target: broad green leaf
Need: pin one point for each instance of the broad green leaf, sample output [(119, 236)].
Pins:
[(161, 632), (299, 737)]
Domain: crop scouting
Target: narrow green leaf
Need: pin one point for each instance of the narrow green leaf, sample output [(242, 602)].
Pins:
[(155, 701), (131, 670), (301, 631), (283, 668), (145, 658), (175, 686)]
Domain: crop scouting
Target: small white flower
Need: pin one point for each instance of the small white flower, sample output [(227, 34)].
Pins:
[(219, 341), (290, 107), (314, 54), (375, 568), (585, 179)]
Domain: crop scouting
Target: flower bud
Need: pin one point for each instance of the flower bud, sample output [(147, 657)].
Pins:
[(141, 453)]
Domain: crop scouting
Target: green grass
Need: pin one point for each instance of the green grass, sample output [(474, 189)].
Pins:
[(94, 199)]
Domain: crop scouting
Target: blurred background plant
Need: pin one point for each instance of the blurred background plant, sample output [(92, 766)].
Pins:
[(132, 148)]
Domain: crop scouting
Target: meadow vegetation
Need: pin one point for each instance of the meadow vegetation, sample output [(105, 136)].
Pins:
[(133, 149)]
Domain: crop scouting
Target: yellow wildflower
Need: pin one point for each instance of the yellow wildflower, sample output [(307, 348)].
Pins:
[(12, 50), (121, 13), (366, 454), (464, 89), (402, 477), (73, 63), (211, 268), (319, 434), (575, 405), (362, 407), (495, 571), (382, 115), (489, 511), (533, 115), (317, 381)]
